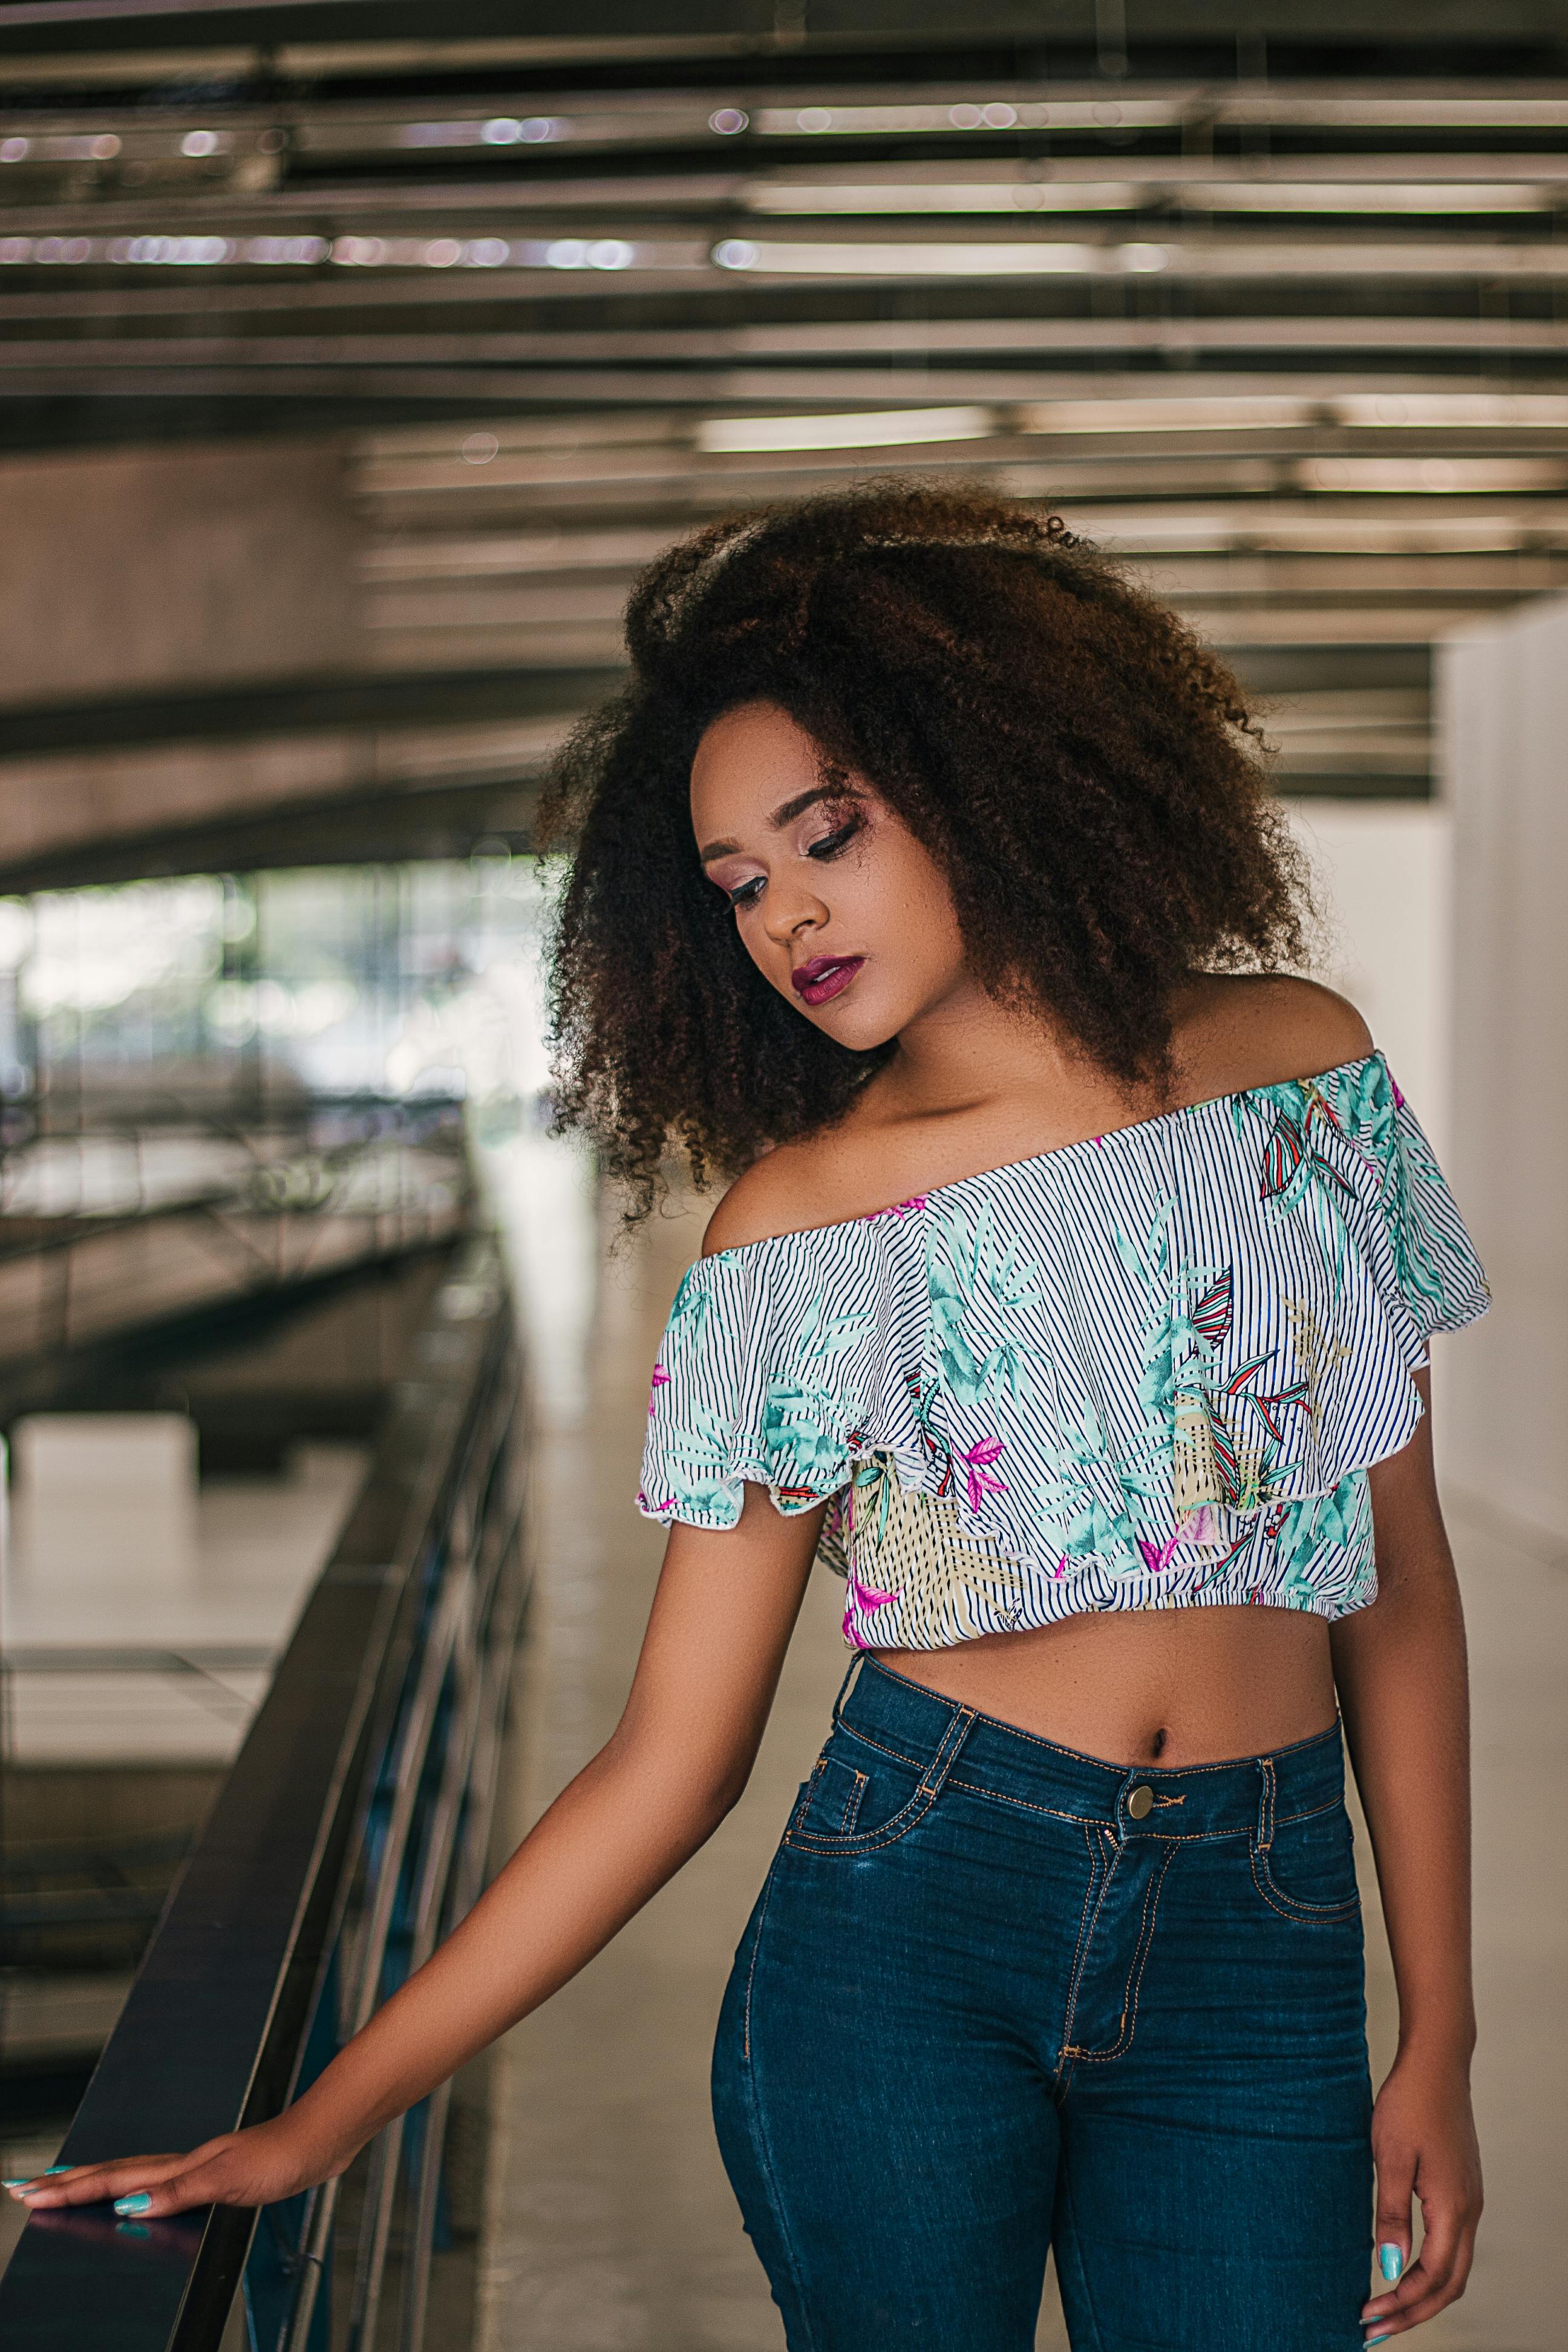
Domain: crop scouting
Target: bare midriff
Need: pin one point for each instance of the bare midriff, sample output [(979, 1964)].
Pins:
[(1166, 1686)]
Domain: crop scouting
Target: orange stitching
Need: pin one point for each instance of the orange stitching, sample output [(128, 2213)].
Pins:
[(908, 1816), (1304, 1914), (1123, 2042), (973, 1788), (1166, 1837), (897, 1755), (752, 1971), (1085, 1939)]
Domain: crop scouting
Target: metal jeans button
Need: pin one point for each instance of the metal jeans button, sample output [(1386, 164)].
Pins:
[(1141, 1802)]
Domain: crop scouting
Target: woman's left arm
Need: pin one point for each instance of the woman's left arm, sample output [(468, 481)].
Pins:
[(1400, 1669)]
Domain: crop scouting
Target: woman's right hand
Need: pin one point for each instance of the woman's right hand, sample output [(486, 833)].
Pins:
[(257, 2167), (726, 1605)]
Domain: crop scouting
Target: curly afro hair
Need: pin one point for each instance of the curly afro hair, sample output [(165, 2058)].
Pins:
[(1084, 772)]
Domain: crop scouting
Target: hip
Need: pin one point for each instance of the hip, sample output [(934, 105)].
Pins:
[(942, 1868)]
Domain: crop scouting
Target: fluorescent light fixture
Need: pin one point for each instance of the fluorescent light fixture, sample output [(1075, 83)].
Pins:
[(1450, 411), (822, 260), (1219, 258), (496, 131), (783, 198), (871, 430), (1246, 413), (1425, 412), (967, 116), (1432, 477), (1372, 196), (1135, 110)]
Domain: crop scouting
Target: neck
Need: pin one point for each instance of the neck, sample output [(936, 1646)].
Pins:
[(967, 1050)]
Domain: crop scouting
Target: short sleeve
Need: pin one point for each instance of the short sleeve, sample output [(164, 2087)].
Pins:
[(755, 1383), (1440, 1281)]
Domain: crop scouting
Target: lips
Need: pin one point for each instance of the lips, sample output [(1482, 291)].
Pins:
[(824, 976)]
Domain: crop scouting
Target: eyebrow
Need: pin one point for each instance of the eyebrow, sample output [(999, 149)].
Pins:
[(785, 814)]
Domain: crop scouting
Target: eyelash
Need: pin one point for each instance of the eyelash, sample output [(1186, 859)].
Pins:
[(831, 846)]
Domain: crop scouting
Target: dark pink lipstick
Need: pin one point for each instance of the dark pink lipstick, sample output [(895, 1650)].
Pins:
[(824, 976)]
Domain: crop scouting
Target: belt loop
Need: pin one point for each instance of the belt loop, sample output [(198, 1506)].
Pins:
[(946, 1756), (1265, 1804), (847, 1685)]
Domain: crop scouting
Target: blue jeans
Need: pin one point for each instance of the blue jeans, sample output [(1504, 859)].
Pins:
[(998, 1997)]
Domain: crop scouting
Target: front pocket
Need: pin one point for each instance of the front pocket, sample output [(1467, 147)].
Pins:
[(1308, 1868), (859, 1799), (837, 1793)]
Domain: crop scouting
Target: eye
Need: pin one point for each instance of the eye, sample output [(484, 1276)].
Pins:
[(746, 894), (832, 844)]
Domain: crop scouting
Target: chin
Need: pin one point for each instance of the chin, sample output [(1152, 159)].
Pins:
[(861, 1030)]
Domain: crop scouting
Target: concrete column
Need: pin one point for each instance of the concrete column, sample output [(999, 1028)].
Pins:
[(1504, 720), (135, 571)]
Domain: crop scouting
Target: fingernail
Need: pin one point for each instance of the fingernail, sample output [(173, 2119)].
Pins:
[(1390, 2261), (54, 2167), (137, 2204), (1378, 2339), (23, 2182)]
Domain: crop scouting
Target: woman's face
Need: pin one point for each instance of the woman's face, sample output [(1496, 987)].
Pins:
[(839, 907)]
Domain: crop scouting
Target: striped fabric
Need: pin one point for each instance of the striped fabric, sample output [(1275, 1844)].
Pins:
[(1144, 1371)]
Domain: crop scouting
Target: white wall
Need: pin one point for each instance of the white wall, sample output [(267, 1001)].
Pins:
[(1382, 874), (1503, 699)]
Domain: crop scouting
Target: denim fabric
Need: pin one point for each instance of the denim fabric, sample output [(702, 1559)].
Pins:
[(981, 2010)]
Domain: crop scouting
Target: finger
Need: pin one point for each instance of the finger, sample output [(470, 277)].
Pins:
[(216, 2182), (1395, 2193), (1438, 2279), (87, 2184), (1429, 2293)]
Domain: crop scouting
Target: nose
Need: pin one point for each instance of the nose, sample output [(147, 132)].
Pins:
[(789, 912)]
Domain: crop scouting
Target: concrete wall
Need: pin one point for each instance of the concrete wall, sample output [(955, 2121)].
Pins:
[(131, 571), (1504, 722), (1382, 874)]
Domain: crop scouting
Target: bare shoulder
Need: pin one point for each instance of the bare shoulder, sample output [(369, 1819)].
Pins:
[(779, 1194), (1255, 1030)]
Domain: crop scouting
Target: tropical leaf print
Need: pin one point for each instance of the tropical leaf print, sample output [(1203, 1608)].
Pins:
[(1070, 1394), (1292, 1165), (949, 1583), (964, 1258), (802, 1441), (689, 1315), (1212, 1312), (1303, 1531)]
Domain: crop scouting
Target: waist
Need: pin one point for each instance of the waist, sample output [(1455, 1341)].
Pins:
[(1172, 1686), (1188, 1800)]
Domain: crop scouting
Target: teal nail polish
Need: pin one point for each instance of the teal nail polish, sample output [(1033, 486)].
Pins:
[(25, 2182), (1390, 2261), (137, 2204), (1378, 2339), (56, 2167)]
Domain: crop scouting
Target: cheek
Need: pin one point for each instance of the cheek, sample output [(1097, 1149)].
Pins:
[(918, 903)]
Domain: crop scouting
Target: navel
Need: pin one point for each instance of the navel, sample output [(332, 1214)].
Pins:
[(1157, 1745)]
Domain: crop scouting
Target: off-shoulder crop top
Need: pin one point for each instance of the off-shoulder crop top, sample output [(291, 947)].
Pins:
[(1147, 1370)]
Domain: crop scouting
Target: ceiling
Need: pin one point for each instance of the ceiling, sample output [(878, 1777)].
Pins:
[(1284, 318)]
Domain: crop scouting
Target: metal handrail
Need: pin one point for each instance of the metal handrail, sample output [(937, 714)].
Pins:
[(351, 1833)]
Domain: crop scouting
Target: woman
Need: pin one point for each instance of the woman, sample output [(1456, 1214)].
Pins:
[(1073, 1301)]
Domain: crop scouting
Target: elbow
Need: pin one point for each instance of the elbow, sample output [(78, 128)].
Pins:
[(695, 1794)]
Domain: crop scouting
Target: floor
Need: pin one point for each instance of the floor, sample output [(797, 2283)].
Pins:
[(147, 1635), (611, 2226)]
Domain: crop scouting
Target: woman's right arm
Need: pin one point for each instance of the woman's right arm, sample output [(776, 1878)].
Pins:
[(679, 1757)]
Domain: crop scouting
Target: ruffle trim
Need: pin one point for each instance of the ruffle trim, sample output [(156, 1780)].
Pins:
[(781, 1366)]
